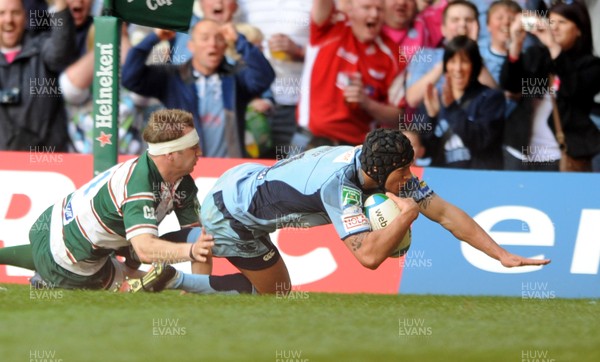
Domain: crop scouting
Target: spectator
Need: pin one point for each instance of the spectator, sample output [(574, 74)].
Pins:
[(410, 33), (405, 28), (258, 132), (566, 55), (426, 67), (459, 18), (31, 113), (352, 77), (286, 35), (37, 15), (81, 10), (221, 11), (500, 15), (215, 92), (423, 4), (432, 15), (483, 7), (468, 117)]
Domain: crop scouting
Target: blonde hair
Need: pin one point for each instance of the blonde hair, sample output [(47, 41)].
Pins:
[(166, 125)]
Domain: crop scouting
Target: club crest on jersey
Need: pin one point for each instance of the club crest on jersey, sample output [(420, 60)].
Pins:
[(68, 212), (351, 196)]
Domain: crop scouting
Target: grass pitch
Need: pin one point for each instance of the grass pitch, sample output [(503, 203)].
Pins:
[(59, 325)]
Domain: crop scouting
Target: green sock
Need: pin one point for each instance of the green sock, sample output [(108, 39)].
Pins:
[(18, 256)]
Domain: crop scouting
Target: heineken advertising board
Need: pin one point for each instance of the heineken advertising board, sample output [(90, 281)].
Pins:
[(106, 92)]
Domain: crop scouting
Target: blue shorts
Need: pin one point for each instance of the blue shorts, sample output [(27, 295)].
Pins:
[(243, 247)]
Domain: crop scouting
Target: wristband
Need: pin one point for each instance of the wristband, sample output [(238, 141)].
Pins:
[(192, 254)]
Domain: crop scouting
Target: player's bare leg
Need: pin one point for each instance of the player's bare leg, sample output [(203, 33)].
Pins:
[(203, 267), (272, 280)]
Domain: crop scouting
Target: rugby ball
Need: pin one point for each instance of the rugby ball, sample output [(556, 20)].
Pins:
[(381, 210)]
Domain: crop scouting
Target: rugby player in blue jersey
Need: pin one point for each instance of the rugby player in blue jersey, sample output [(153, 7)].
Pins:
[(326, 185)]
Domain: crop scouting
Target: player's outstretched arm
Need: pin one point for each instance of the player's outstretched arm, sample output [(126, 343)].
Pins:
[(371, 248), (150, 248), (463, 227)]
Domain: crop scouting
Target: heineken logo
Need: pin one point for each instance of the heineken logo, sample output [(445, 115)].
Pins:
[(105, 75), (154, 4), (104, 139)]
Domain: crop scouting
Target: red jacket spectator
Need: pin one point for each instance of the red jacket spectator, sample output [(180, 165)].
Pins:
[(351, 74)]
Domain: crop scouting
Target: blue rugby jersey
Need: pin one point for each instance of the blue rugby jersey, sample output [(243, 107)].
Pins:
[(317, 187)]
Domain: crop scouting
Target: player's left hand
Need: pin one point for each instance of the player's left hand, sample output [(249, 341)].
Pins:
[(203, 246), (511, 260), (407, 205)]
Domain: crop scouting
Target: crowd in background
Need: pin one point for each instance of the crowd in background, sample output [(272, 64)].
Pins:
[(474, 84)]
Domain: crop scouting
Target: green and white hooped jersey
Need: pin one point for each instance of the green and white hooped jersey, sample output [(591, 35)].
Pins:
[(125, 201)]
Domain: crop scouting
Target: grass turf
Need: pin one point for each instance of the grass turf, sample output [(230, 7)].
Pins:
[(99, 326)]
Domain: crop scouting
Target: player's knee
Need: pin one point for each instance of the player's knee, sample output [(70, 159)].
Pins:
[(279, 286), (283, 288)]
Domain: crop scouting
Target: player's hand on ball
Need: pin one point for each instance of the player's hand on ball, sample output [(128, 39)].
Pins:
[(407, 206), (202, 247), (511, 260)]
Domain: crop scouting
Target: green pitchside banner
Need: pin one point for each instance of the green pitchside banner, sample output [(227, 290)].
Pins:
[(106, 92), (165, 14)]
